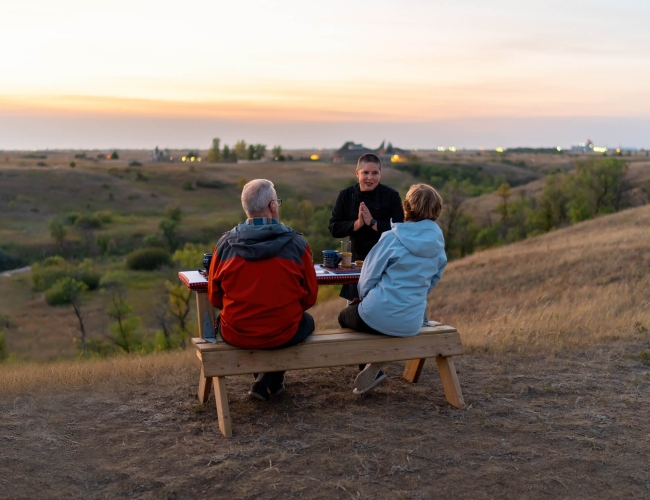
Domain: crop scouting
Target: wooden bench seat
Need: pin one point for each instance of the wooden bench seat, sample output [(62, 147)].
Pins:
[(326, 348)]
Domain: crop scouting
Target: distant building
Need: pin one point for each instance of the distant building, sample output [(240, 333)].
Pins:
[(159, 155), (583, 147), (350, 153)]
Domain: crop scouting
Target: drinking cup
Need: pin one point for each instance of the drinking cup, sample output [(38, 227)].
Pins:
[(207, 258), (331, 258)]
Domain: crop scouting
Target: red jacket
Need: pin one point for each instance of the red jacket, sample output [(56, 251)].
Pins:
[(262, 279)]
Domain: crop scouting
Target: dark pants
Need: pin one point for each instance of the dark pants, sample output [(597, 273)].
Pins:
[(305, 329), (349, 318)]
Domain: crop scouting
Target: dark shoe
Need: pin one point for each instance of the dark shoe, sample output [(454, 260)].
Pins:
[(277, 387), (368, 379), (258, 391)]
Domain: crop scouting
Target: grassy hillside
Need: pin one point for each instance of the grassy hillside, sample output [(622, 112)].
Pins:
[(574, 286)]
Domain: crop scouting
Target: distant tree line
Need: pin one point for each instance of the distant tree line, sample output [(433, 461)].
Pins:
[(596, 187), (240, 151)]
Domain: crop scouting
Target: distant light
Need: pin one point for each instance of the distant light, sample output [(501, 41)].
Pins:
[(618, 150), (198, 159), (183, 158), (171, 158), (441, 148), (452, 149), (559, 148), (396, 159), (499, 150), (315, 157), (598, 149), (192, 158)]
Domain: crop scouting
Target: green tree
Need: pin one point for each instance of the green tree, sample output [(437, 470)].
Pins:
[(190, 256), (454, 196), (168, 228), (173, 212), (69, 291), (57, 231), (250, 152), (214, 154), (4, 352), (125, 325), (503, 192), (260, 151), (104, 243), (115, 156), (276, 152), (241, 150), (178, 305)]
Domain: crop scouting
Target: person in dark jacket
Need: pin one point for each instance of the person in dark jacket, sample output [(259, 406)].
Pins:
[(365, 211), (262, 279)]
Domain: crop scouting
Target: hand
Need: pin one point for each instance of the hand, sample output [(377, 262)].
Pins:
[(359, 223), (367, 216)]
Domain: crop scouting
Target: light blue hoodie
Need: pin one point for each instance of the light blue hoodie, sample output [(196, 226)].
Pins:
[(397, 275)]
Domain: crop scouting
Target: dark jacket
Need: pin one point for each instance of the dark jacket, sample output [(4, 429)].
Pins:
[(262, 280), (384, 204)]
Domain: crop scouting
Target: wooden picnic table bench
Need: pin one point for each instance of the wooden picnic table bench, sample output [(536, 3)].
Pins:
[(324, 348)]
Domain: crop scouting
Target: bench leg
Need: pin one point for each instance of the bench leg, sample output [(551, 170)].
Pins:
[(413, 369), (202, 306), (223, 412), (205, 386), (450, 382)]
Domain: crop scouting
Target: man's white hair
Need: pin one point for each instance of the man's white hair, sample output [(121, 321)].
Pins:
[(256, 196)]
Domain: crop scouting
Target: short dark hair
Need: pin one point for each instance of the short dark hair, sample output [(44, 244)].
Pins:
[(369, 158)]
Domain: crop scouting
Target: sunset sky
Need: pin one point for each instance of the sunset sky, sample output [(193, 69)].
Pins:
[(136, 74)]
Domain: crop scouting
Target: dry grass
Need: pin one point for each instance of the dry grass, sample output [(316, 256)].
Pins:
[(117, 373), (575, 286)]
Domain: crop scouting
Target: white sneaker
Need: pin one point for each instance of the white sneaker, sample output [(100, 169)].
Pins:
[(368, 379)]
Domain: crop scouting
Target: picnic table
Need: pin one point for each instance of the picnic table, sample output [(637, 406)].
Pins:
[(324, 348)]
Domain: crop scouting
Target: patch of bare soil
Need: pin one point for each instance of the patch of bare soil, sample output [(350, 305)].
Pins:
[(569, 425)]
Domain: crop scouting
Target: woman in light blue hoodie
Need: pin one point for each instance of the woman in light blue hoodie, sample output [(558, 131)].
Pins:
[(397, 275)]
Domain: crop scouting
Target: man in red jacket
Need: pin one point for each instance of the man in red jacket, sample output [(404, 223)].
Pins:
[(262, 279)]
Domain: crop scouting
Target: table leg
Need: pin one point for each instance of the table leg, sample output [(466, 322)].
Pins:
[(202, 306), (223, 411), (205, 386), (450, 382), (413, 369)]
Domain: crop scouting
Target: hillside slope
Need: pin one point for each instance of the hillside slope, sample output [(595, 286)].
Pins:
[(570, 286)]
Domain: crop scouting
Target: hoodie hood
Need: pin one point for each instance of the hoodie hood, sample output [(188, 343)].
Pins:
[(259, 242), (423, 238)]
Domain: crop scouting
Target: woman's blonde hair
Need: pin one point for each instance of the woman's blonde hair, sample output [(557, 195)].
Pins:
[(422, 202)]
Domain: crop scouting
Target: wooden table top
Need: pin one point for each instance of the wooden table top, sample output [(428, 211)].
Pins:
[(197, 282)]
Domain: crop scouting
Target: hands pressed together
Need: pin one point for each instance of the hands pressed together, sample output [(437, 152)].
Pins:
[(364, 218)]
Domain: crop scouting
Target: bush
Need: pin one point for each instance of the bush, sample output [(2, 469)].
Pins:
[(187, 186), (53, 269), (71, 217), (88, 222), (147, 259), (4, 352), (104, 216), (174, 212), (72, 164), (211, 184), (135, 163), (154, 240), (64, 291), (191, 256)]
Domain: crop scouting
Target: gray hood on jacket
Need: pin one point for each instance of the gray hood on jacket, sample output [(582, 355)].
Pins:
[(259, 242)]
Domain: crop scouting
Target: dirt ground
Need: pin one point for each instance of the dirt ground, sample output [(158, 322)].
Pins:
[(566, 425)]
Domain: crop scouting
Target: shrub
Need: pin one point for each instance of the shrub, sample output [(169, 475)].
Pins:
[(135, 163), (88, 222), (173, 212), (190, 257), (154, 240), (41, 164), (4, 352), (211, 184), (64, 291), (71, 217), (147, 259), (104, 216), (187, 186), (72, 164), (53, 269), (139, 176)]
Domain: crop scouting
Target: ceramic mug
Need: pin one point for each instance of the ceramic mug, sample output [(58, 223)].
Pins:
[(331, 258), (207, 257)]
